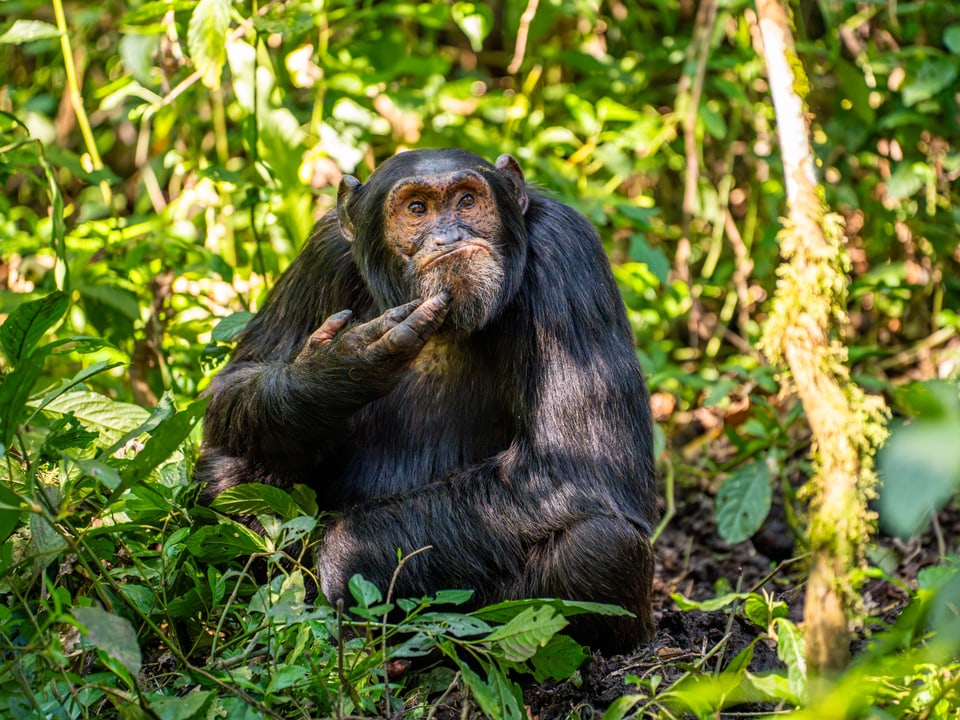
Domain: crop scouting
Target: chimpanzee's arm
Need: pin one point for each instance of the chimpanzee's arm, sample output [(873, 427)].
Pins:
[(295, 377)]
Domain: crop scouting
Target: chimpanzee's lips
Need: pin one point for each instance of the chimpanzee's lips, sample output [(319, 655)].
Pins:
[(463, 248)]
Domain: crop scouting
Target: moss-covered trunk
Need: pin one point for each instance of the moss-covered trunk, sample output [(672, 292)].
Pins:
[(804, 331)]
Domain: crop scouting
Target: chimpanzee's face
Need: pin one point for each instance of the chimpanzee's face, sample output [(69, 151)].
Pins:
[(447, 230), (429, 221)]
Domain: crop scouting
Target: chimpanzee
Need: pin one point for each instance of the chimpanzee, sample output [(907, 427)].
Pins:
[(448, 363)]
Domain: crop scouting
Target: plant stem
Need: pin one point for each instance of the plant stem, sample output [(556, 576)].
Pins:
[(76, 100)]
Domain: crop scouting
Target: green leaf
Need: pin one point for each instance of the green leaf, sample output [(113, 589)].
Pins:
[(189, 707), (224, 542), (496, 696), (933, 76), (711, 605), (475, 20), (109, 417), (100, 471), (164, 410), (905, 181), (790, 650), (112, 635), (743, 501), (164, 441), (287, 676), (364, 591), (951, 39), (227, 329), (520, 638), (9, 512), (15, 388), (254, 499), (27, 324), (504, 611), (621, 706), (24, 31), (920, 469), (761, 612), (207, 39), (82, 376), (558, 659)]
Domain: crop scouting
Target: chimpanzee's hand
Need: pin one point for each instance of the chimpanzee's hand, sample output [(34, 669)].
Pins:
[(377, 352)]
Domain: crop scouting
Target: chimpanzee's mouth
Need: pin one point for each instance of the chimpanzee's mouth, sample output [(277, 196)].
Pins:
[(464, 249)]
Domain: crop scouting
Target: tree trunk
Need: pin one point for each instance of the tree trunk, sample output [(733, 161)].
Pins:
[(807, 318)]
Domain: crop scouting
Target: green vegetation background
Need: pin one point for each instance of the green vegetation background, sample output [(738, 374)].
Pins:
[(161, 163)]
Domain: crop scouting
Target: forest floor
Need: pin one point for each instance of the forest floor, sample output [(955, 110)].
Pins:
[(694, 561)]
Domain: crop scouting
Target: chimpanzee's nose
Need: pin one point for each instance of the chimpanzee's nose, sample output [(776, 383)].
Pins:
[(446, 236)]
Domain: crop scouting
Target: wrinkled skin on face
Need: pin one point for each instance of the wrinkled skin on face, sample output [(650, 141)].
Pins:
[(446, 226), (447, 230)]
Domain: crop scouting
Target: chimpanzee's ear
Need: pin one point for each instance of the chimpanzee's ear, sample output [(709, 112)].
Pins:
[(508, 166), (344, 194)]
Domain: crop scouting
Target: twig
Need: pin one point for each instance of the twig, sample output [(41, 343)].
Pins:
[(523, 31), (383, 633)]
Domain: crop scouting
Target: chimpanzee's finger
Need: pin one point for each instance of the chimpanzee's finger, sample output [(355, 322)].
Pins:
[(372, 331), (412, 334), (326, 332)]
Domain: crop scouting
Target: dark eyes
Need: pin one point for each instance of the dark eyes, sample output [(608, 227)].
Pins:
[(419, 207)]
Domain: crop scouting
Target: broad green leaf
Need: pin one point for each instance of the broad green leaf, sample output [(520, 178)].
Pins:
[(364, 591), (192, 706), (520, 638), (743, 501), (100, 471), (790, 649), (45, 541), (933, 76), (164, 410), (287, 676), (81, 377), (116, 298), (907, 180), (452, 597), (762, 612), (27, 324), (508, 609), (951, 38), (111, 418), (558, 659), (455, 624), (653, 257), (223, 542), (207, 39), (112, 635), (254, 499), (24, 31), (227, 329), (619, 708), (920, 469)]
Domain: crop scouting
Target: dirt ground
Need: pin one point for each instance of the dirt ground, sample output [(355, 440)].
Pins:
[(694, 561)]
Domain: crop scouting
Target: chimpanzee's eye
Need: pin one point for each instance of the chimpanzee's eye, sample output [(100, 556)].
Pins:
[(417, 207), (467, 201)]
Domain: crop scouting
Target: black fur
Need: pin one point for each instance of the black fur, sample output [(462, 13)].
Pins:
[(522, 452)]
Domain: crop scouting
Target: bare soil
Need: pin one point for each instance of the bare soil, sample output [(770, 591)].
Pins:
[(694, 561)]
